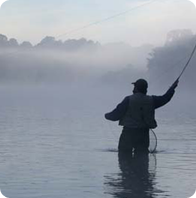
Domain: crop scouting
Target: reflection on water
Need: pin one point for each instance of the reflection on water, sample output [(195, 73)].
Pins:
[(136, 178)]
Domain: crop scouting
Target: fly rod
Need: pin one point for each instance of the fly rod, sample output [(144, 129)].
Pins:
[(187, 62), (153, 145)]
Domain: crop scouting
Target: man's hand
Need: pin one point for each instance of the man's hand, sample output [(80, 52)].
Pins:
[(175, 84)]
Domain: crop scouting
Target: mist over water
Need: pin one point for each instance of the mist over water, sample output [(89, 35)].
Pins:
[(71, 61), (55, 141), (76, 62)]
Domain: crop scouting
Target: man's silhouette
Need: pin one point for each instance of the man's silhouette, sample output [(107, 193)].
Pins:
[(136, 113)]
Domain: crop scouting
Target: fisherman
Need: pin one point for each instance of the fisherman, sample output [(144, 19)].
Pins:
[(136, 113)]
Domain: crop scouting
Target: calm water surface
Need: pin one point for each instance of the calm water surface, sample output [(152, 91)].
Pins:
[(55, 143)]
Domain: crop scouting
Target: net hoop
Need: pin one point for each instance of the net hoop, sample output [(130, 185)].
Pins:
[(153, 142)]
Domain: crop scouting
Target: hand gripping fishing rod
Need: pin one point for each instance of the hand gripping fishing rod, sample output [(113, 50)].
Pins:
[(153, 137)]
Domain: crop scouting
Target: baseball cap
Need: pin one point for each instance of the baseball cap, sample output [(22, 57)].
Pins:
[(141, 84)]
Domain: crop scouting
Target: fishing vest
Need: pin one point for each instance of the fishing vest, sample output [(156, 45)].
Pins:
[(140, 112)]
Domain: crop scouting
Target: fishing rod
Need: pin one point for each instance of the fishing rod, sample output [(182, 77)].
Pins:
[(153, 137), (194, 49)]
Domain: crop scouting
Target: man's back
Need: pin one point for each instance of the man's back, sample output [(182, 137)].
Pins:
[(140, 112)]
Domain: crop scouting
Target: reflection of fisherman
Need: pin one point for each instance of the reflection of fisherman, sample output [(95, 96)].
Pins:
[(136, 177), (136, 114)]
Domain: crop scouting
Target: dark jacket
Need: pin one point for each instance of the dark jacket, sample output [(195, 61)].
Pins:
[(158, 101)]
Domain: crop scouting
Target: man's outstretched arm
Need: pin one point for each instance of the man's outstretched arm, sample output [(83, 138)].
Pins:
[(160, 101), (119, 111)]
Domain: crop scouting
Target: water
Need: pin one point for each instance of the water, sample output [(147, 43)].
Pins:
[(54, 142)]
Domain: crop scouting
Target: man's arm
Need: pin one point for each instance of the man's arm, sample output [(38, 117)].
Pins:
[(119, 111), (160, 101)]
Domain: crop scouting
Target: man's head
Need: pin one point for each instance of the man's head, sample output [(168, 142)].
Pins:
[(140, 86)]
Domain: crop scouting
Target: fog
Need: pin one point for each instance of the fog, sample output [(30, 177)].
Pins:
[(89, 65), (70, 61)]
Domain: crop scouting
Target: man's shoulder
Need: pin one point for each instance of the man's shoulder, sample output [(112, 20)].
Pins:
[(127, 97)]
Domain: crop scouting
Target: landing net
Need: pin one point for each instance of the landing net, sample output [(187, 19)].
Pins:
[(153, 141)]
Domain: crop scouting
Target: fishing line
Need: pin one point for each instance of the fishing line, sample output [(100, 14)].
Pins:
[(96, 22), (105, 19)]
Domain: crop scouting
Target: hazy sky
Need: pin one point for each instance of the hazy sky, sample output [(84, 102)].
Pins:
[(34, 19)]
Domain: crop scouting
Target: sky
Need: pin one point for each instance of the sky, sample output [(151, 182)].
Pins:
[(32, 20)]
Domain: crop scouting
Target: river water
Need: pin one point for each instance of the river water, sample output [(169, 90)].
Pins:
[(54, 142)]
